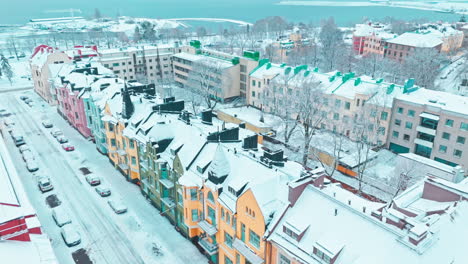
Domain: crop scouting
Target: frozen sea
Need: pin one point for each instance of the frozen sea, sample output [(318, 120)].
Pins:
[(19, 12)]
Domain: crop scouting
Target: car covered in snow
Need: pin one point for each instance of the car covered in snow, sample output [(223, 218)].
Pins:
[(103, 191), (117, 206), (44, 184), (93, 180), (47, 124), (27, 155), (32, 166), (24, 148), (23, 97), (31, 104), (60, 216), (70, 235), (62, 139), (56, 132), (68, 147)]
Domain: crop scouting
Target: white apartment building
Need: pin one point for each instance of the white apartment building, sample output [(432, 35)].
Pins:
[(431, 124), (147, 64)]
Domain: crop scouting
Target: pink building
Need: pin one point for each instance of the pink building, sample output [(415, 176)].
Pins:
[(70, 86)]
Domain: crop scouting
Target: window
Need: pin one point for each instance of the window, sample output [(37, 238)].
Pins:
[(461, 140), (457, 153), (194, 215), (395, 134), (133, 160), (242, 232), (384, 115), (193, 194), (400, 110), (113, 142), (210, 197), (398, 122), (464, 126), (409, 125), (411, 113), (254, 239), (111, 127), (347, 105), (238, 259), (253, 93), (336, 116), (337, 103), (222, 213), (449, 122), (283, 260), (227, 260), (132, 144), (442, 149), (406, 137), (253, 82), (446, 136), (243, 68), (381, 131), (227, 239), (115, 64)]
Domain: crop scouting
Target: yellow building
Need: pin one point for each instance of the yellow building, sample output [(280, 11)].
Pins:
[(228, 201)]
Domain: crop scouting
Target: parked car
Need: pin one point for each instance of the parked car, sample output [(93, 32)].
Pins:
[(70, 236), (62, 139), (23, 97), (68, 147), (27, 155), (4, 113), (9, 124), (24, 148), (18, 139), (117, 206), (44, 184), (56, 132), (31, 165), (103, 191), (31, 104), (60, 216), (47, 124), (93, 180)]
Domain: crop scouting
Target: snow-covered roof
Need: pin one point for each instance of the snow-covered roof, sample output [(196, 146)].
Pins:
[(339, 229), (437, 99), (419, 40), (203, 59), (267, 70)]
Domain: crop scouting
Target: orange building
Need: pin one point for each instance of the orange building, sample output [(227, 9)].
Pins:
[(228, 200)]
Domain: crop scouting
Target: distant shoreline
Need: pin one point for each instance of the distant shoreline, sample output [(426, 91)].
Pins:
[(448, 7)]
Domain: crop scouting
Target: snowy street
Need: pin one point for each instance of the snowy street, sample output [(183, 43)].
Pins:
[(108, 238)]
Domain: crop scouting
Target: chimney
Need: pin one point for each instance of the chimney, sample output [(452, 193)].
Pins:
[(207, 117), (336, 211), (296, 188)]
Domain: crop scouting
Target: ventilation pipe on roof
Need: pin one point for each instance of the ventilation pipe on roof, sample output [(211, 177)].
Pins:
[(336, 211)]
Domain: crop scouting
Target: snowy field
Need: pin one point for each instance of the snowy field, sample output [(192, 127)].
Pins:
[(107, 237)]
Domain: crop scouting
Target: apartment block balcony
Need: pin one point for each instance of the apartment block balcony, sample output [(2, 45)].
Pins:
[(209, 247), (426, 130), (243, 249), (424, 142), (168, 201), (167, 183), (207, 227)]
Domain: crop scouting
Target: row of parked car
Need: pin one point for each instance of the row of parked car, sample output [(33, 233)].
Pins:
[(27, 100), (116, 205)]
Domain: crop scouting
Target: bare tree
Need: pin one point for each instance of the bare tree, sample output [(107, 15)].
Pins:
[(423, 65), (310, 105), (201, 32), (12, 46), (206, 80), (279, 99), (331, 40), (97, 14)]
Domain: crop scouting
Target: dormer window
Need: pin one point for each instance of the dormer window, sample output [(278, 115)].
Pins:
[(327, 249), (232, 191), (290, 233)]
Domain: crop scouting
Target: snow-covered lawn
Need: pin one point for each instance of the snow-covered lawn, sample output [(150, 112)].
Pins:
[(21, 77), (109, 238)]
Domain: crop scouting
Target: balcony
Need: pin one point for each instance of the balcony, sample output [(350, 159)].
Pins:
[(424, 143), (209, 247), (168, 201), (426, 130), (242, 248), (207, 227), (167, 183)]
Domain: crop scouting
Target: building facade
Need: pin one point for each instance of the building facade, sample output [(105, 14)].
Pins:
[(401, 47), (432, 124)]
